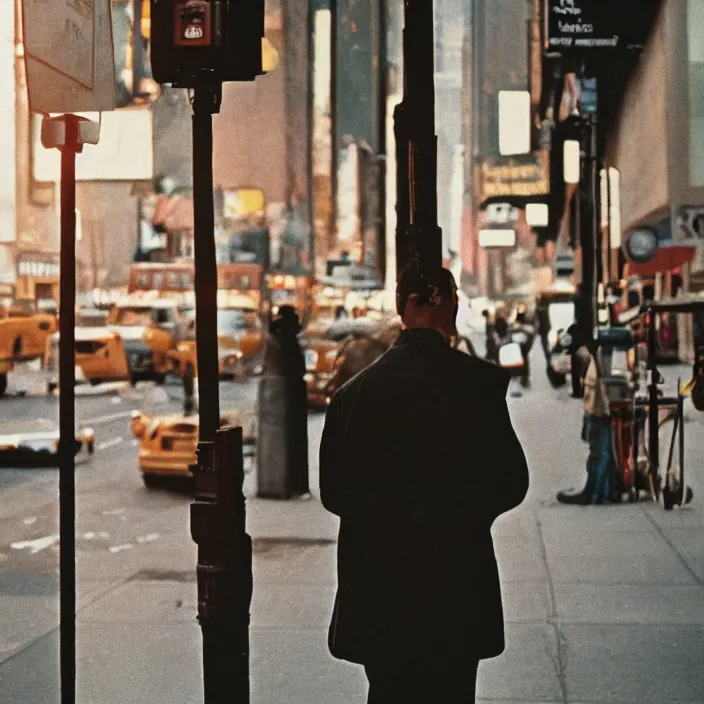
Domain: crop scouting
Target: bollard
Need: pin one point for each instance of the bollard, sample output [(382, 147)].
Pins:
[(273, 467)]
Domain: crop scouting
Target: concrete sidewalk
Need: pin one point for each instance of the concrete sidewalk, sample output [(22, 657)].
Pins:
[(604, 604)]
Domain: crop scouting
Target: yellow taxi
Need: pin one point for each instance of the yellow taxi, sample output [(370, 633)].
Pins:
[(167, 444), (149, 328), (100, 352), (240, 339), (23, 336)]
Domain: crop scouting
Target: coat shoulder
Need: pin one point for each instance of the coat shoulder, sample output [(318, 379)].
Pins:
[(480, 372)]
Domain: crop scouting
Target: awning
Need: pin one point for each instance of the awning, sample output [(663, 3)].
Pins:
[(666, 259)]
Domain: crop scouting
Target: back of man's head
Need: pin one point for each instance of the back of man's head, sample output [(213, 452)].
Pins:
[(427, 298)]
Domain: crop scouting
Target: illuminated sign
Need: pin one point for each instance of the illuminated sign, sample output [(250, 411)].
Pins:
[(38, 264), (497, 238), (181, 277), (521, 175), (592, 24)]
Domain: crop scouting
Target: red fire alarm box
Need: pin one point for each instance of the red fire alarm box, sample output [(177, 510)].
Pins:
[(193, 23)]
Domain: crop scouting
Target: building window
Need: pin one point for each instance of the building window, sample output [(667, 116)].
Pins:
[(695, 43)]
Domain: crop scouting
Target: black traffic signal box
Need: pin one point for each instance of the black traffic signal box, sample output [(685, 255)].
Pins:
[(217, 39)]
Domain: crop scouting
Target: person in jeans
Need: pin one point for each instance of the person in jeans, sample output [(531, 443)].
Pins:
[(596, 430), (418, 458)]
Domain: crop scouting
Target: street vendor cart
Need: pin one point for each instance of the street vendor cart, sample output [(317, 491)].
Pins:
[(659, 409)]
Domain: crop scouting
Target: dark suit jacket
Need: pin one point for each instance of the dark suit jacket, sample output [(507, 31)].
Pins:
[(418, 457)]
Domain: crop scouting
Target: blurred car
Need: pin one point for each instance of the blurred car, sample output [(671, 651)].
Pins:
[(240, 341), (40, 449), (23, 336), (320, 355), (347, 346), (100, 352), (167, 444), (150, 329)]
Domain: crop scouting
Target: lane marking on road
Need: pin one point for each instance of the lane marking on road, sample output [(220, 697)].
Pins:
[(30, 520), (120, 548), (36, 545), (92, 535), (101, 420), (109, 443), (147, 538)]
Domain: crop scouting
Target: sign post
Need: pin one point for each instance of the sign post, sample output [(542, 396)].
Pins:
[(199, 45), (65, 74)]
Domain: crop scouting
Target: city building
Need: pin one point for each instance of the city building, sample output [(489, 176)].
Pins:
[(498, 56), (663, 107)]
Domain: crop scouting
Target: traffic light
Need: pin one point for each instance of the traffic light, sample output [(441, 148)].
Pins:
[(220, 39)]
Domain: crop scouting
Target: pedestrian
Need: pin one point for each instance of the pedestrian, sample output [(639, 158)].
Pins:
[(418, 458), (491, 350), (285, 329), (596, 430), (580, 357)]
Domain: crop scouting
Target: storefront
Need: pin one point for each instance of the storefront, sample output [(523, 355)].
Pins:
[(663, 108), (37, 276)]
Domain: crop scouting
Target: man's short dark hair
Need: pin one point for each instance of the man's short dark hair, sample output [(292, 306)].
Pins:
[(424, 283)]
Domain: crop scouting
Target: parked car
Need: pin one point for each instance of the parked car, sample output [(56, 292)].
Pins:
[(40, 449), (23, 336)]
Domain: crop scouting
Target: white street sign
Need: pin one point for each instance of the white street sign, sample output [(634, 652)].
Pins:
[(69, 55), (64, 37)]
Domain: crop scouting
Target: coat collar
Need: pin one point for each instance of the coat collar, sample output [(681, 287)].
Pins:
[(420, 335)]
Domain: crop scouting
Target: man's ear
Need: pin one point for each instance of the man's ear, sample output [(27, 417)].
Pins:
[(434, 297)]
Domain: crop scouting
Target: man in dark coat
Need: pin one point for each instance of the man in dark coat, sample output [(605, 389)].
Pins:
[(418, 458)]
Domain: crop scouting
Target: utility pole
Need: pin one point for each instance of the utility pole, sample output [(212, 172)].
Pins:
[(417, 233)]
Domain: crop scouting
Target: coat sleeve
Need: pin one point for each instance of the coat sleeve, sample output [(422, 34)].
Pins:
[(331, 469), (509, 469)]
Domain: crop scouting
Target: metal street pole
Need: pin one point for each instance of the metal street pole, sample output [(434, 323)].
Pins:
[(224, 570), (206, 102), (137, 48), (588, 220), (417, 142), (67, 411)]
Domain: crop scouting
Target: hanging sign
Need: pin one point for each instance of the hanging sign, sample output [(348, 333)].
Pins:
[(582, 24), (514, 176)]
